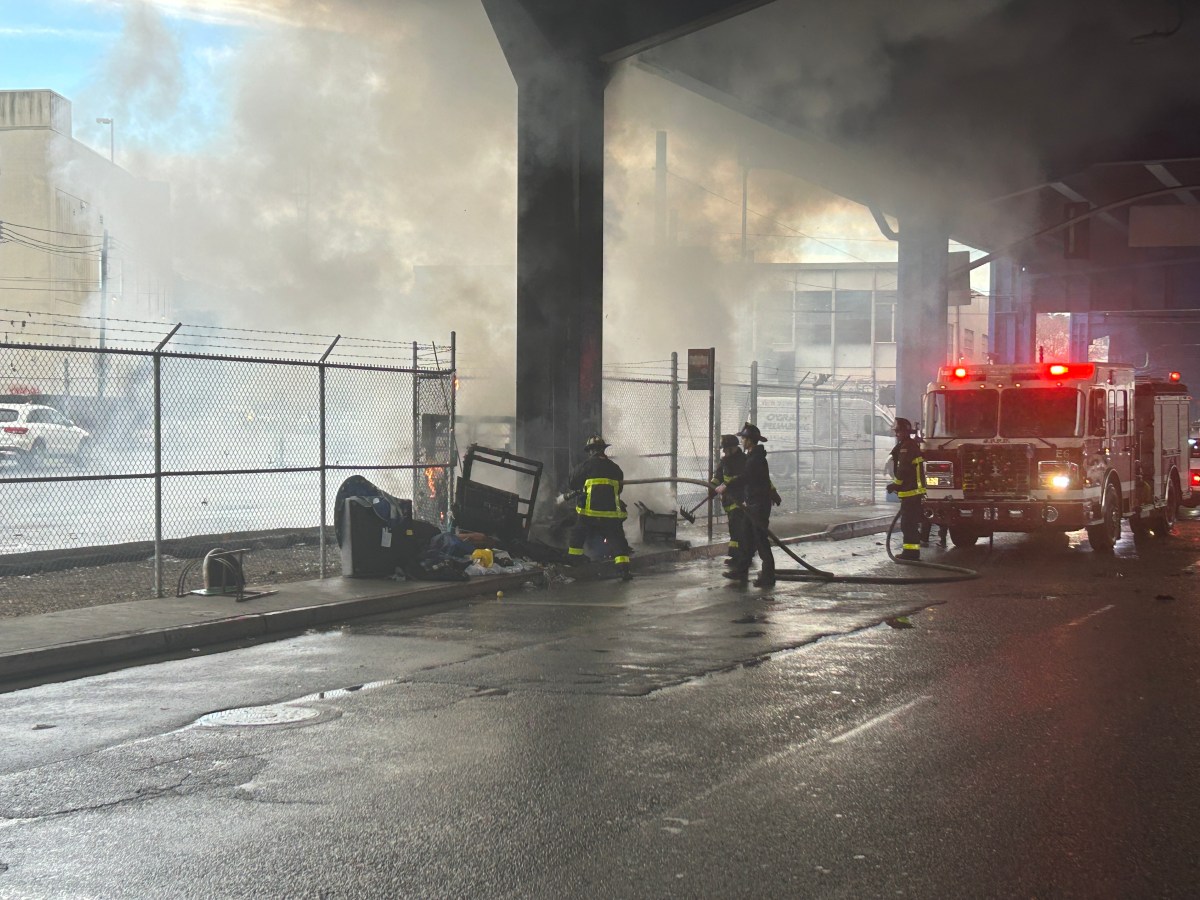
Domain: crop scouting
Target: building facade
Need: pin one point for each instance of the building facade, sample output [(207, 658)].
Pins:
[(840, 319), (67, 211)]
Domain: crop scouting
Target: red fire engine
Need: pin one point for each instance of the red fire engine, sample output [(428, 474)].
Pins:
[(1055, 447)]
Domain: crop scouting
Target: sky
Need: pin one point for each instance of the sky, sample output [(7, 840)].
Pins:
[(68, 46)]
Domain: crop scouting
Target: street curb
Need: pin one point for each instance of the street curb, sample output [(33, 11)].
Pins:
[(64, 658), (103, 651)]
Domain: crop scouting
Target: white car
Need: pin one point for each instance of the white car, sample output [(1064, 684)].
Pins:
[(32, 433)]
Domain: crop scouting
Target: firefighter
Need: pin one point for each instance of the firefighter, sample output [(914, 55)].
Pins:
[(908, 483), (755, 481), (732, 464), (596, 483)]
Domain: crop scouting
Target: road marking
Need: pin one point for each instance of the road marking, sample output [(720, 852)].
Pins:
[(878, 720), (1094, 612)]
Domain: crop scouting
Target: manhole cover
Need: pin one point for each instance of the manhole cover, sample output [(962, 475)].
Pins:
[(261, 715)]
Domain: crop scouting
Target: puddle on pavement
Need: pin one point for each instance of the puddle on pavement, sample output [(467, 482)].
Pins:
[(275, 714)]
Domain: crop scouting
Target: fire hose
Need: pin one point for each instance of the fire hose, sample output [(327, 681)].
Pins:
[(812, 573)]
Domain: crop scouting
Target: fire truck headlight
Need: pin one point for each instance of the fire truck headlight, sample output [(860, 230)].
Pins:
[(1049, 514), (1057, 475)]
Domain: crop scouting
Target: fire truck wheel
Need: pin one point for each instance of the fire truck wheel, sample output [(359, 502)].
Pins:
[(963, 536), (1104, 536), (1162, 525)]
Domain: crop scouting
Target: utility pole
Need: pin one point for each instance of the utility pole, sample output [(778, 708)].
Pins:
[(745, 195), (111, 141), (102, 359), (660, 189)]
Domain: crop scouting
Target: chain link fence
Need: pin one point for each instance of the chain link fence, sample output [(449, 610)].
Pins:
[(828, 438), (133, 439), (659, 428)]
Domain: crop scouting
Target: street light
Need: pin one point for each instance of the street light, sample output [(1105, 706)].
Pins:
[(109, 123)]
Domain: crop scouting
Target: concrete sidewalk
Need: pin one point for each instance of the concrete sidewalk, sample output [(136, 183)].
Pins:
[(60, 642)]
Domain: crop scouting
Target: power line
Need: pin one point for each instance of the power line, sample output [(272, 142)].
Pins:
[(50, 231)]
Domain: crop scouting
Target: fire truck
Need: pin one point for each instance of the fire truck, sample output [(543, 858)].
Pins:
[(1055, 447)]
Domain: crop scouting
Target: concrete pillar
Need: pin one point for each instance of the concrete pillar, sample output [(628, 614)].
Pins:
[(921, 310), (560, 242), (1081, 335), (1011, 320)]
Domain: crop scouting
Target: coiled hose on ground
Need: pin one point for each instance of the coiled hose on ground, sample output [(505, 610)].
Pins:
[(812, 573)]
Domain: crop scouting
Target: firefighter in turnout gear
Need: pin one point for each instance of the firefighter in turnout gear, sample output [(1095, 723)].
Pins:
[(908, 483), (760, 494), (732, 464), (596, 484)]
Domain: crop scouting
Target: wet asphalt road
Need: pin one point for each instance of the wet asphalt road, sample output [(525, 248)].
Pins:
[(1034, 733)]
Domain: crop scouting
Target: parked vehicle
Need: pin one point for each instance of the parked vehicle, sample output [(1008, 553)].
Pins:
[(31, 434), (1055, 447), (1194, 475)]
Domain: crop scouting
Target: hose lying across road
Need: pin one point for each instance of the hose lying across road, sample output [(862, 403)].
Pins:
[(812, 573)]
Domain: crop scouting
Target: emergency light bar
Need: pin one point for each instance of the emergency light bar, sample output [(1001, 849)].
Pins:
[(1174, 376), (1050, 370)]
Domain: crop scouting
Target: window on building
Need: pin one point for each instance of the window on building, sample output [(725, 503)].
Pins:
[(885, 317), (853, 317), (968, 342), (775, 318), (814, 313)]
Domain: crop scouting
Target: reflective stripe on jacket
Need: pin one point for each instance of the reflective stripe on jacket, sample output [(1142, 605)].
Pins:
[(907, 464), (598, 480)]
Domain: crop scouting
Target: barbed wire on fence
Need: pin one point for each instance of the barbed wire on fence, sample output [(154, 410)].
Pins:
[(113, 333)]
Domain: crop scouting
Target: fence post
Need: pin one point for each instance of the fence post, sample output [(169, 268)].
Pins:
[(452, 449), (158, 505), (712, 441), (416, 430), (675, 427), (715, 446), (753, 420), (324, 488), (799, 388), (837, 421)]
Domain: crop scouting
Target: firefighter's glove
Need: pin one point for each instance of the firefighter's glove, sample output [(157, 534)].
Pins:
[(892, 487), (719, 490), (776, 499)]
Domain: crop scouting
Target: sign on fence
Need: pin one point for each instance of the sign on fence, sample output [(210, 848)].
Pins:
[(701, 364)]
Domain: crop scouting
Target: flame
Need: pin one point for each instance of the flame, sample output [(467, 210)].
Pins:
[(431, 475)]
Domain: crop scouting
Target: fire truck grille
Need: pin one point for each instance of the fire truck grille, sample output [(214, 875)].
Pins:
[(995, 471)]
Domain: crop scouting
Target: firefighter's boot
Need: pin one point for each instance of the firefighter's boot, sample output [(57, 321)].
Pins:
[(910, 553)]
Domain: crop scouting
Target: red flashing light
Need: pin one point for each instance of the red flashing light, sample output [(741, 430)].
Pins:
[(1196, 478), (960, 372), (1072, 370), (1174, 376)]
